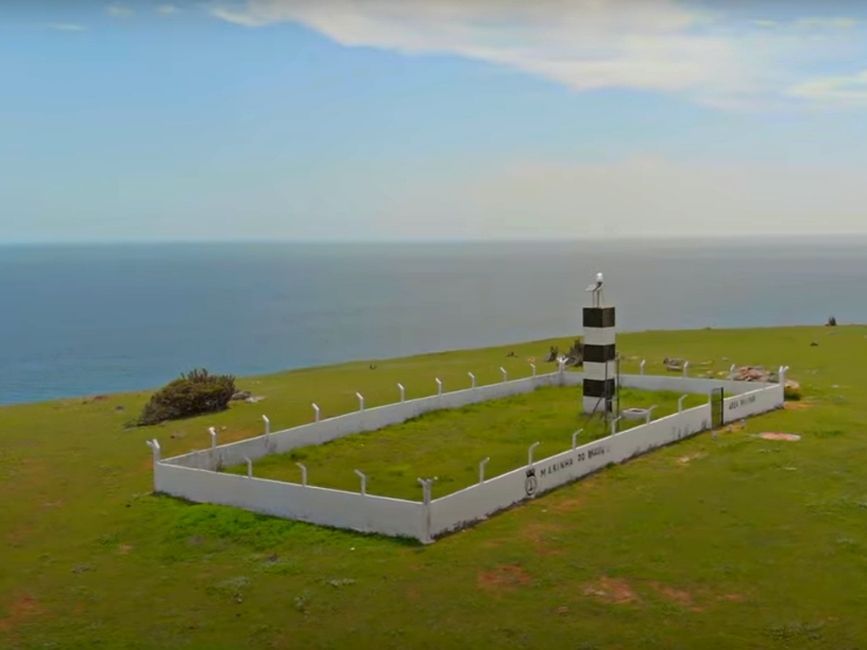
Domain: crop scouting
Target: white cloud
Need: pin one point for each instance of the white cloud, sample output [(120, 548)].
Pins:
[(67, 27), (658, 45), (167, 9), (844, 90), (119, 10)]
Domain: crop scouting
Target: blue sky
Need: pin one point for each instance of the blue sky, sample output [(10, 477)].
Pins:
[(381, 120)]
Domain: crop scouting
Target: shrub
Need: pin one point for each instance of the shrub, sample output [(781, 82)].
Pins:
[(792, 391), (195, 393)]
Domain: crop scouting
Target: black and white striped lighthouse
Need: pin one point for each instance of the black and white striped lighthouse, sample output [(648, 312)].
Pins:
[(600, 354)]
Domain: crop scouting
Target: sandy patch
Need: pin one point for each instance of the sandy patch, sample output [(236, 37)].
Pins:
[(789, 437), (21, 609), (567, 505), (686, 460), (503, 578), (797, 406), (611, 590), (537, 533)]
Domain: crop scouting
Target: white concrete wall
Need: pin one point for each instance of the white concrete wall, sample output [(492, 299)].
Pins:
[(481, 500), (189, 476), (369, 514), (681, 384)]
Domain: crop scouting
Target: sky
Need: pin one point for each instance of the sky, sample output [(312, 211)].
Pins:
[(430, 120)]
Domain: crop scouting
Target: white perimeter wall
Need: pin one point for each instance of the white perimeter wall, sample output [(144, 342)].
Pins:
[(190, 476)]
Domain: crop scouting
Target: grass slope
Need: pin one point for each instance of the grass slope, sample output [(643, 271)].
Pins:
[(726, 542)]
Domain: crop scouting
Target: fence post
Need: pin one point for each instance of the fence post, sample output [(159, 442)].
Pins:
[(533, 369), (402, 392), (732, 369), (249, 466), (649, 414), (303, 468), (575, 439), (267, 422), (530, 451), (472, 379), (504, 373), (643, 364), (316, 412), (686, 368), (614, 425), (213, 432), (363, 478), (155, 448), (360, 401), (426, 498), (425, 489), (680, 403), (482, 469), (439, 386)]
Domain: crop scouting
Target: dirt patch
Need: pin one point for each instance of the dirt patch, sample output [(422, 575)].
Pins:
[(124, 549), (733, 598), (567, 505), (797, 406), (686, 460), (679, 597), (788, 437), (23, 608), (615, 591), (537, 534), (503, 578)]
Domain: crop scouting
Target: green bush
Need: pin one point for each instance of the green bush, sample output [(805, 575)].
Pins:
[(195, 393)]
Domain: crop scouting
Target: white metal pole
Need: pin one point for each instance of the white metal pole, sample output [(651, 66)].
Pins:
[(530, 451), (686, 368), (472, 379), (360, 401), (363, 478), (439, 386), (614, 425), (649, 414), (267, 422), (402, 392), (303, 469), (643, 364), (249, 466), (680, 403), (575, 438), (213, 432), (482, 469), (505, 374), (533, 369), (316, 412)]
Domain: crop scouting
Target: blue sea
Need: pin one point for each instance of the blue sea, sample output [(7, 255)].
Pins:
[(85, 319)]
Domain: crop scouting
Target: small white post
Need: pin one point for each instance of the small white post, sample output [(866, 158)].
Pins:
[(482, 469), (561, 364), (472, 379), (680, 403), (249, 466), (267, 422), (686, 368), (533, 369), (360, 401), (425, 488), (575, 438), (439, 386), (782, 374), (303, 469), (649, 414), (530, 451), (614, 425), (316, 412), (504, 373), (155, 448), (732, 369), (213, 432), (363, 478), (402, 392), (643, 364)]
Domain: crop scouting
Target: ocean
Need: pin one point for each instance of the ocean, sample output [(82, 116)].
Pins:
[(86, 319)]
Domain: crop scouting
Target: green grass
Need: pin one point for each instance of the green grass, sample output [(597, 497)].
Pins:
[(727, 542), (449, 444)]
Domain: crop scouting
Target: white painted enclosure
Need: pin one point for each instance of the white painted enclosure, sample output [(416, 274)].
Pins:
[(192, 476)]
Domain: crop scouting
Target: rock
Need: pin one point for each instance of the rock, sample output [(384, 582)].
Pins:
[(553, 353), (241, 395), (674, 365), (814, 344), (254, 399)]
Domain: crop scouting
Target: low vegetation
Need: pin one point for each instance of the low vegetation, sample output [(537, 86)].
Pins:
[(726, 541), (194, 393)]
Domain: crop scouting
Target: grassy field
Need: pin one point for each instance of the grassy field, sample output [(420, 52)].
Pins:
[(449, 444), (731, 541)]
